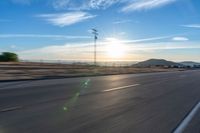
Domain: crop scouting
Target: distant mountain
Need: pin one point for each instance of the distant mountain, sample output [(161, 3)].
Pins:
[(156, 62), (190, 63)]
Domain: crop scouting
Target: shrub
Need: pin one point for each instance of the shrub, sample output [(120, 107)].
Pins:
[(8, 57)]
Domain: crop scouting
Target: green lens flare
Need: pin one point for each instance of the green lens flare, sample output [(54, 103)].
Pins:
[(65, 108), (74, 99)]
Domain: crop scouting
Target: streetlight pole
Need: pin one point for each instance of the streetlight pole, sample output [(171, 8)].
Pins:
[(95, 33)]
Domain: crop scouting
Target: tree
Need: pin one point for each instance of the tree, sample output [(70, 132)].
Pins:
[(8, 57)]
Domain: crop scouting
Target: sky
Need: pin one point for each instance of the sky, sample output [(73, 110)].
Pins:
[(129, 30)]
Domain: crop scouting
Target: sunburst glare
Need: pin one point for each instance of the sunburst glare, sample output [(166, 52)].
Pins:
[(115, 49)]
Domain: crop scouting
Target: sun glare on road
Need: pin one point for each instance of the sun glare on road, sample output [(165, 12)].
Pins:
[(115, 49)]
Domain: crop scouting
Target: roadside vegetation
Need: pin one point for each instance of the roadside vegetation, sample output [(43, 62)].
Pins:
[(8, 57), (12, 69), (28, 70)]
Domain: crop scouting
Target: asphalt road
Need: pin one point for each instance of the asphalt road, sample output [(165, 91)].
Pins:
[(138, 103)]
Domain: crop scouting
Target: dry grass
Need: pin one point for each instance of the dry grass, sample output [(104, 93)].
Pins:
[(17, 71)]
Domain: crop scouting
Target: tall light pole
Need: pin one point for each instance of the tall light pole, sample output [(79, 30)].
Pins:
[(95, 33)]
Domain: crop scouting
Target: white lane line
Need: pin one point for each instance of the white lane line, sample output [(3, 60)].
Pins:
[(188, 119), (120, 88), (11, 109)]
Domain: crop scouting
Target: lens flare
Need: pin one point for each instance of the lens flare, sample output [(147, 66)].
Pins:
[(84, 85), (115, 49)]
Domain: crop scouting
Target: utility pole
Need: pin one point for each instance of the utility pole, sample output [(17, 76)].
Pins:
[(95, 33)]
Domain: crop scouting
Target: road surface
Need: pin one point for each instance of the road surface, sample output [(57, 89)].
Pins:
[(137, 103)]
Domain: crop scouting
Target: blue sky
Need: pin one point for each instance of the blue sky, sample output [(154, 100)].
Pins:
[(137, 29)]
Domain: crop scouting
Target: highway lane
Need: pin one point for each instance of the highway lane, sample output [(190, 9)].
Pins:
[(139, 103)]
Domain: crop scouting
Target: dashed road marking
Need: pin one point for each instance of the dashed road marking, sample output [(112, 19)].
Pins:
[(108, 90), (11, 109), (120, 88)]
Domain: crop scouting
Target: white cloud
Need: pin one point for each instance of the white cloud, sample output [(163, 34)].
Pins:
[(84, 5), (122, 21), (145, 39), (13, 46), (145, 4), (84, 51), (60, 4), (54, 52), (180, 39), (97, 4), (140, 41), (126, 5), (42, 36), (66, 19), (192, 26), (122, 33)]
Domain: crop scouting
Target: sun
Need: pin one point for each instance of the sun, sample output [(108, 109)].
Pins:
[(115, 49)]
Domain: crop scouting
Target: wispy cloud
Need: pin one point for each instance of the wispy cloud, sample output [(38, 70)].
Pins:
[(66, 19), (54, 52), (13, 46), (122, 33), (60, 4), (192, 26), (97, 4), (84, 5), (42, 36), (124, 5), (180, 39), (122, 21), (83, 51), (140, 41), (145, 39), (145, 4)]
